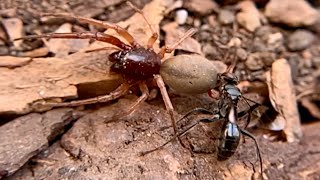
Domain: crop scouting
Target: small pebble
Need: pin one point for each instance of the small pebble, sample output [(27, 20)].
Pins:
[(249, 16), (181, 16), (293, 13), (226, 17), (234, 42), (300, 40), (254, 62), (242, 54), (274, 38)]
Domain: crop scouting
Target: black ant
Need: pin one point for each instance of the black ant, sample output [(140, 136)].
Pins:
[(230, 133), (134, 62)]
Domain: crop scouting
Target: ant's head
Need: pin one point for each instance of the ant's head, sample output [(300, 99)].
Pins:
[(229, 78)]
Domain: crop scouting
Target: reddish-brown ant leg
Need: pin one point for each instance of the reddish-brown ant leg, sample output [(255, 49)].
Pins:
[(145, 93), (155, 35), (120, 91), (124, 33), (169, 48), (83, 35)]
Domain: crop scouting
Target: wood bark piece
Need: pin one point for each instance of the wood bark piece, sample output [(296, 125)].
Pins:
[(47, 78), (283, 98), (26, 136)]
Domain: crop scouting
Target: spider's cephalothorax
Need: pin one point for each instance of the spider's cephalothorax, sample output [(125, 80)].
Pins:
[(137, 64)]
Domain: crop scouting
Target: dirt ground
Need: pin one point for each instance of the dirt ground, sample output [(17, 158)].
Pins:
[(278, 60)]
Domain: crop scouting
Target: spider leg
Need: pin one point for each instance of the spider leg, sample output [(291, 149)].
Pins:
[(145, 93), (169, 48), (167, 102), (83, 35), (120, 91), (121, 31), (103, 49), (155, 35)]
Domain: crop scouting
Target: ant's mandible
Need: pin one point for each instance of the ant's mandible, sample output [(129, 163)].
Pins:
[(134, 62)]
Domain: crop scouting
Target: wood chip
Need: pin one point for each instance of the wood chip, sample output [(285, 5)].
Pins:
[(283, 98)]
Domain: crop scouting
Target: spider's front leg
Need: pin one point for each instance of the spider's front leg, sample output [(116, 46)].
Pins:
[(121, 31), (83, 35)]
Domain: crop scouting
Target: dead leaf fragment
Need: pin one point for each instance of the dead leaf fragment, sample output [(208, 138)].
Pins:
[(283, 98)]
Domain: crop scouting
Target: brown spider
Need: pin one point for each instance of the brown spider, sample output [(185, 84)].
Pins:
[(134, 62)]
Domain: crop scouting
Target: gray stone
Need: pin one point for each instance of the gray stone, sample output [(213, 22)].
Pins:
[(300, 40), (26, 136)]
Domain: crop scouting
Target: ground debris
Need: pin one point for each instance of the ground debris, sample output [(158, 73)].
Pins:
[(26, 136), (283, 98)]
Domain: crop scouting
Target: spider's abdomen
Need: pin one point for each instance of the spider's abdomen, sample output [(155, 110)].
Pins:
[(136, 64)]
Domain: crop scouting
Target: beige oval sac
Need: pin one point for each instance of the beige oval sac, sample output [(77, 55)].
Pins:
[(189, 74)]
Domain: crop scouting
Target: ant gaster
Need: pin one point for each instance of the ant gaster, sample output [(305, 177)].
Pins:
[(134, 62), (230, 133)]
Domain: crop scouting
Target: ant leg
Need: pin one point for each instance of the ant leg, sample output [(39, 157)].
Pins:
[(169, 48), (120, 91), (178, 135), (155, 35), (83, 35), (248, 134), (251, 108), (167, 102), (121, 31), (145, 93), (196, 110)]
